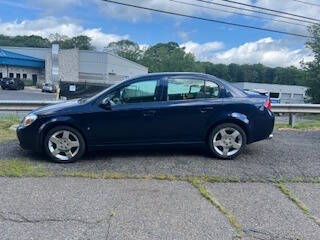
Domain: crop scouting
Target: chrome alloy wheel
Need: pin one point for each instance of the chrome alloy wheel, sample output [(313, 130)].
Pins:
[(64, 145), (227, 141)]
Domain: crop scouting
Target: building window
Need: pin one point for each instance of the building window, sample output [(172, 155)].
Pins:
[(1, 75), (18, 75), (11, 75), (24, 75)]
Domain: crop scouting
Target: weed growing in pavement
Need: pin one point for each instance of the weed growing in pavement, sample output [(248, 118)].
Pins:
[(198, 184)]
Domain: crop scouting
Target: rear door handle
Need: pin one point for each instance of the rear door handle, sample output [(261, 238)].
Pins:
[(149, 113), (206, 109)]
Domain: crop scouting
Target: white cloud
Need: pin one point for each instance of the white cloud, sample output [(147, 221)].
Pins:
[(202, 51), (270, 52), (65, 26)]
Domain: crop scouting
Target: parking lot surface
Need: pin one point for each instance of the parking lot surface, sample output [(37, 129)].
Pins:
[(26, 95), (289, 154), (74, 208), (60, 207)]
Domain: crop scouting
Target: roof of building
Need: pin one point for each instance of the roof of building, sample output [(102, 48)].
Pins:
[(15, 59)]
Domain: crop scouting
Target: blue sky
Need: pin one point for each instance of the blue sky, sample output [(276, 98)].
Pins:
[(218, 43)]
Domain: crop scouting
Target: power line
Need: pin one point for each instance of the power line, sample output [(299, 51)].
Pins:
[(238, 13), (255, 11), (308, 3), (208, 19), (268, 9)]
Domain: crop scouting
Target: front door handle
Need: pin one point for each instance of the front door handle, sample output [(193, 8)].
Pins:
[(206, 109), (149, 113)]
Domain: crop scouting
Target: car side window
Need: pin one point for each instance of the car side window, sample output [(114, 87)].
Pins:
[(211, 90), (181, 89), (144, 91)]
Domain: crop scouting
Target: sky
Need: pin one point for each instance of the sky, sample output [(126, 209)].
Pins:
[(208, 41)]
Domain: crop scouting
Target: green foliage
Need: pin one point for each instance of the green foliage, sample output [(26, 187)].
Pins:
[(170, 57), (312, 69), (81, 42), (127, 49)]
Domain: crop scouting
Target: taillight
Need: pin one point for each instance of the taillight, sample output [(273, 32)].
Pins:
[(267, 104)]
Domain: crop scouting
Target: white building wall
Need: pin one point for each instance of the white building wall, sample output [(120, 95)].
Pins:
[(84, 66)]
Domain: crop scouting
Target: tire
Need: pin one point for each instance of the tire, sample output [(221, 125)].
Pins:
[(64, 144), (226, 141)]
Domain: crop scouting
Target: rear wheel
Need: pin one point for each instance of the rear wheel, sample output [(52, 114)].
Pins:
[(64, 144), (226, 141)]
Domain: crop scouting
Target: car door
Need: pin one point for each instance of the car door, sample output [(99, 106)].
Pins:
[(190, 104), (131, 117)]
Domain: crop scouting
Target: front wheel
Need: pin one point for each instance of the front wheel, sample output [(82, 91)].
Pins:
[(226, 141), (64, 144)]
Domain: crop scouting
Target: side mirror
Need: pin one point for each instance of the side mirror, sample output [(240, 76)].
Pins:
[(106, 104)]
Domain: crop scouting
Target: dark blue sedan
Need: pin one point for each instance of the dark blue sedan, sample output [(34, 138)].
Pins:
[(151, 110)]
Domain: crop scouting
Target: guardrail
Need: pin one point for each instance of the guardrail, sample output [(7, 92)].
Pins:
[(291, 109)]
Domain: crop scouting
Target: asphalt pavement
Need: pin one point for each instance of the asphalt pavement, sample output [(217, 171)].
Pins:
[(29, 94), (289, 154), (75, 208), (59, 207)]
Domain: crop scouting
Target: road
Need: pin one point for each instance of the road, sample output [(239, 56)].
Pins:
[(60, 207), (72, 208), (289, 154), (26, 95)]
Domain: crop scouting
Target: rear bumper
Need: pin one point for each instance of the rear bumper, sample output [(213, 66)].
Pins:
[(262, 127)]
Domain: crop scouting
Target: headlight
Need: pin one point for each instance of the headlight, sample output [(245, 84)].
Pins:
[(29, 119)]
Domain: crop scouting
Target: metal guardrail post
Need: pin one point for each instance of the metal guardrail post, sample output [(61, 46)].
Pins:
[(292, 119)]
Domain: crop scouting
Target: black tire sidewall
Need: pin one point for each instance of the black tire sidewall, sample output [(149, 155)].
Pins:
[(74, 131), (218, 128)]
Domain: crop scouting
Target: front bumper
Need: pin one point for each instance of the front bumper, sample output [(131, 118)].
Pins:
[(29, 138)]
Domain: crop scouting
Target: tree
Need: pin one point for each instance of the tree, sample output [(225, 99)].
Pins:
[(169, 57), (312, 69), (127, 49)]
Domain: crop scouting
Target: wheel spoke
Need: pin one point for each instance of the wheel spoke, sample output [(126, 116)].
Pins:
[(225, 151), (218, 143), (236, 145), (69, 154), (235, 134), (55, 152), (54, 139), (223, 132), (65, 134), (74, 143)]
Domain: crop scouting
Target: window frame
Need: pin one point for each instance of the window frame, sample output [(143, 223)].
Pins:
[(165, 92), (158, 94)]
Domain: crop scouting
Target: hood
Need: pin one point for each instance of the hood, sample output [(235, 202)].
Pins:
[(64, 107)]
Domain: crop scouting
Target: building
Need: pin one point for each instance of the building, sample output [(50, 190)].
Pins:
[(278, 93), (78, 67)]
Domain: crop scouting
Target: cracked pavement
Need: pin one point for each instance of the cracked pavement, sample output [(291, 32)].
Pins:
[(83, 209)]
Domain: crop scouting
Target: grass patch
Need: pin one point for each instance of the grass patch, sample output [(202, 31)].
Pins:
[(314, 125), (6, 122), (19, 168), (197, 183), (283, 188), (117, 175)]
